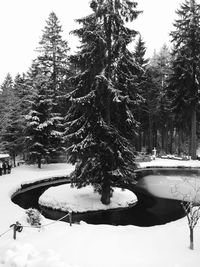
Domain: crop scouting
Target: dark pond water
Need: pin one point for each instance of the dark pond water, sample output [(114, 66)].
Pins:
[(148, 211)]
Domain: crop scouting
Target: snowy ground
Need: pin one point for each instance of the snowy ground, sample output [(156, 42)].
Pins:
[(159, 162), (84, 245)]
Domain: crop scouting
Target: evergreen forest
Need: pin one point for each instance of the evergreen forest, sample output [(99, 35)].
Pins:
[(100, 106)]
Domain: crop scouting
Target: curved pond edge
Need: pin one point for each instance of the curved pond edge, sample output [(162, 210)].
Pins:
[(43, 184), (147, 210), (39, 183)]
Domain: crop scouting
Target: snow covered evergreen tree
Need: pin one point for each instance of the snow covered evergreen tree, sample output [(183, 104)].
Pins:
[(184, 82), (48, 78), (139, 53), (53, 59), (22, 93), (6, 93), (8, 117), (42, 139), (100, 122), (14, 107), (142, 110)]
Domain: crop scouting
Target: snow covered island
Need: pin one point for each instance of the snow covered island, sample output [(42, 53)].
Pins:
[(66, 198)]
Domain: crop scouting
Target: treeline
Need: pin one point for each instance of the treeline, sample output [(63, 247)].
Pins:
[(93, 105)]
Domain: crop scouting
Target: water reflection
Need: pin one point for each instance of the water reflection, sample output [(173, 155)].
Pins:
[(148, 211)]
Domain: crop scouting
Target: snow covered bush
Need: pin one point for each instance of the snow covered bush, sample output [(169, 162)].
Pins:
[(33, 217)]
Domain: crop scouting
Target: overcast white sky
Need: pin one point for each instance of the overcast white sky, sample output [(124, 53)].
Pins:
[(22, 22)]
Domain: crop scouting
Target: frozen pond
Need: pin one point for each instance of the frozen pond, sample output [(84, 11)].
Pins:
[(150, 209), (171, 183)]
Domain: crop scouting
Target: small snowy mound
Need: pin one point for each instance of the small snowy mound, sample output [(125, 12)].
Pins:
[(65, 198), (25, 255)]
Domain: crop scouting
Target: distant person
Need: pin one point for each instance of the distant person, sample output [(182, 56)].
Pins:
[(1, 168), (4, 167)]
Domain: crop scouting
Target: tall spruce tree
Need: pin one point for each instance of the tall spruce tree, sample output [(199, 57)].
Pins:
[(141, 113), (23, 93), (184, 82), (161, 67), (100, 122), (48, 79), (139, 53), (42, 139), (6, 94), (53, 58), (9, 126)]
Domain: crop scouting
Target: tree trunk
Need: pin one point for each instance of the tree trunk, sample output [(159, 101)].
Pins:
[(171, 139), (106, 191), (39, 161), (144, 138), (162, 138), (166, 149), (140, 141), (193, 134), (107, 25), (150, 134), (14, 159), (191, 238), (105, 194), (155, 136), (179, 141)]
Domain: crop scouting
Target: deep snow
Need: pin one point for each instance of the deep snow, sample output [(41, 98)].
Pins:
[(84, 245)]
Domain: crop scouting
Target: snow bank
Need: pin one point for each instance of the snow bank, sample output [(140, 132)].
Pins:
[(25, 255), (65, 198), (158, 162)]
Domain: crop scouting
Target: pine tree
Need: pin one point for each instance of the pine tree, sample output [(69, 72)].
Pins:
[(42, 139), (161, 66), (14, 107), (139, 55), (184, 82), (6, 96), (149, 108), (100, 122), (48, 79), (53, 59), (23, 92), (8, 114)]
